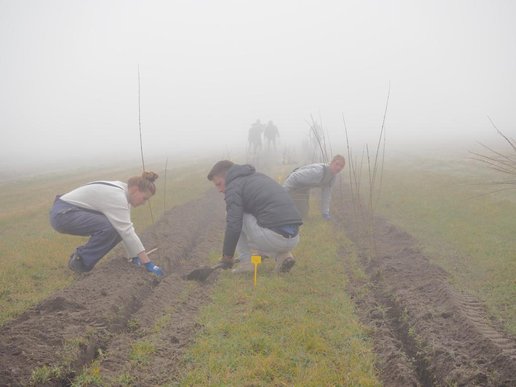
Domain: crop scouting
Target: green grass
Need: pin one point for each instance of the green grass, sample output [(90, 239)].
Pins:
[(295, 329), (44, 375), (90, 376), (468, 233), (141, 351), (34, 257), (60, 370)]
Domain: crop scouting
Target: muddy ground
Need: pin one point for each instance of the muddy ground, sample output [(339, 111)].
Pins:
[(106, 313), (426, 332)]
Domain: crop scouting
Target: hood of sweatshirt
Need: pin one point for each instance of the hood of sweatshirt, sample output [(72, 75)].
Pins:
[(239, 171)]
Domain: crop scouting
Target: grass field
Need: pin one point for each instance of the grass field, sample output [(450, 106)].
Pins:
[(448, 207), (295, 329), (34, 257)]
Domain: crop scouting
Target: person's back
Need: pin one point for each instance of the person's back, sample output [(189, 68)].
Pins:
[(255, 135), (302, 179), (270, 133), (261, 196), (308, 176)]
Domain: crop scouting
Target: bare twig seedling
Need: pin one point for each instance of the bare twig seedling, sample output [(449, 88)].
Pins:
[(140, 120), (375, 168), (318, 140), (165, 187), (141, 139), (504, 163)]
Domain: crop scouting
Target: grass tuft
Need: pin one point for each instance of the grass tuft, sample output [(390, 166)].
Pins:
[(45, 374), (141, 352)]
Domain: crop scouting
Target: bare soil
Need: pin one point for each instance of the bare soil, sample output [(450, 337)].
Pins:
[(104, 313), (426, 332)]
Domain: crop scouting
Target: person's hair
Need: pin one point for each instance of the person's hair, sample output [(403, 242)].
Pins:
[(338, 158), (145, 182), (220, 168)]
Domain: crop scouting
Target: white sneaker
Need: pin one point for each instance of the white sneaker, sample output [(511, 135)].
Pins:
[(243, 267)]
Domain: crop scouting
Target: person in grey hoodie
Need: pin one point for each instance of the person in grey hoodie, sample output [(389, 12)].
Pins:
[(102, 210), (260, 215), (319, 175)]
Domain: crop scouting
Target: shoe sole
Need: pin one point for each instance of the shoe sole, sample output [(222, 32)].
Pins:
[(76, 265), (287, 265)]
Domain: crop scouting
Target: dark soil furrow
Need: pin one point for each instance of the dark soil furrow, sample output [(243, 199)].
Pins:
[(68, 328), (395, 360), (166, 321), (447, 334)]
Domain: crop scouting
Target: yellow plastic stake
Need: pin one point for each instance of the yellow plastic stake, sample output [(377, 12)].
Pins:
[(256, 260)]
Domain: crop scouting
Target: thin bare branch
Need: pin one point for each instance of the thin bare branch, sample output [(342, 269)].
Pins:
[(140, 120), (492, 192), (493, 151), (511, 143), (165, 187)]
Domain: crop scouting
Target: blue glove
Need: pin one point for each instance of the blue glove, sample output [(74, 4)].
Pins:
[(153, 268), (136, 261), (326, 216)]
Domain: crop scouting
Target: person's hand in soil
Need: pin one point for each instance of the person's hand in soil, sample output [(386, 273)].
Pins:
[(143, 260), (151, 267), (227, 262)]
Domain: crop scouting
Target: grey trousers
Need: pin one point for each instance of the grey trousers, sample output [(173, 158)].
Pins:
[(301, 199), (262, 239), (67, 218)]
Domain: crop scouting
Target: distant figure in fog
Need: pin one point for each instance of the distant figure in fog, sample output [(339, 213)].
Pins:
[(255, 136), (102, 211), (319, 175), (260, 215), (270, 133)]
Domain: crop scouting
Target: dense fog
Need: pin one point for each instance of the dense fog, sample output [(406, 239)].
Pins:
[(209, 69)]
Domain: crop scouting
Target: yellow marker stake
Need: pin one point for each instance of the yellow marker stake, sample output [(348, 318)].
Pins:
[(256, 260)]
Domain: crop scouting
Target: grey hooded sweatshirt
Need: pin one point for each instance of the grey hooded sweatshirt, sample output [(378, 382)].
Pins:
[(257, 194), (312, 176)]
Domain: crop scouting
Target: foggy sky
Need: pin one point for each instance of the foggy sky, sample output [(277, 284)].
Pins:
[(69, 73)]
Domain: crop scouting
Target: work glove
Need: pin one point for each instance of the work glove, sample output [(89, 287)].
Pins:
[(227, 262), (136, 261), (326, 216), (151, 267)]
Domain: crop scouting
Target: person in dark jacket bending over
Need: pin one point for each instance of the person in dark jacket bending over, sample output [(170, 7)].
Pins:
[(260, 215), (302, 179)]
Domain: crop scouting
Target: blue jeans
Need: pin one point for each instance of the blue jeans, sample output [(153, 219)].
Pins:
[(70, 219)]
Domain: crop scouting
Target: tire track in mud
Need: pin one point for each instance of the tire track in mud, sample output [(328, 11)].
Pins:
[(426, 332), (94, 314)]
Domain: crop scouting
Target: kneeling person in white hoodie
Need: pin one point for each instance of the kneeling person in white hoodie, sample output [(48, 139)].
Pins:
[(102, 211)]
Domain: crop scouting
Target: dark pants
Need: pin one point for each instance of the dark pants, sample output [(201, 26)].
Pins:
[(67, 218), (301, 198)]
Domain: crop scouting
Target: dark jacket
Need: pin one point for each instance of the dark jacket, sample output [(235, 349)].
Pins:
[(247, 191)]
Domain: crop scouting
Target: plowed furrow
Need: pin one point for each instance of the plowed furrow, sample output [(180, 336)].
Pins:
[(70, 327), (448, 335)]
